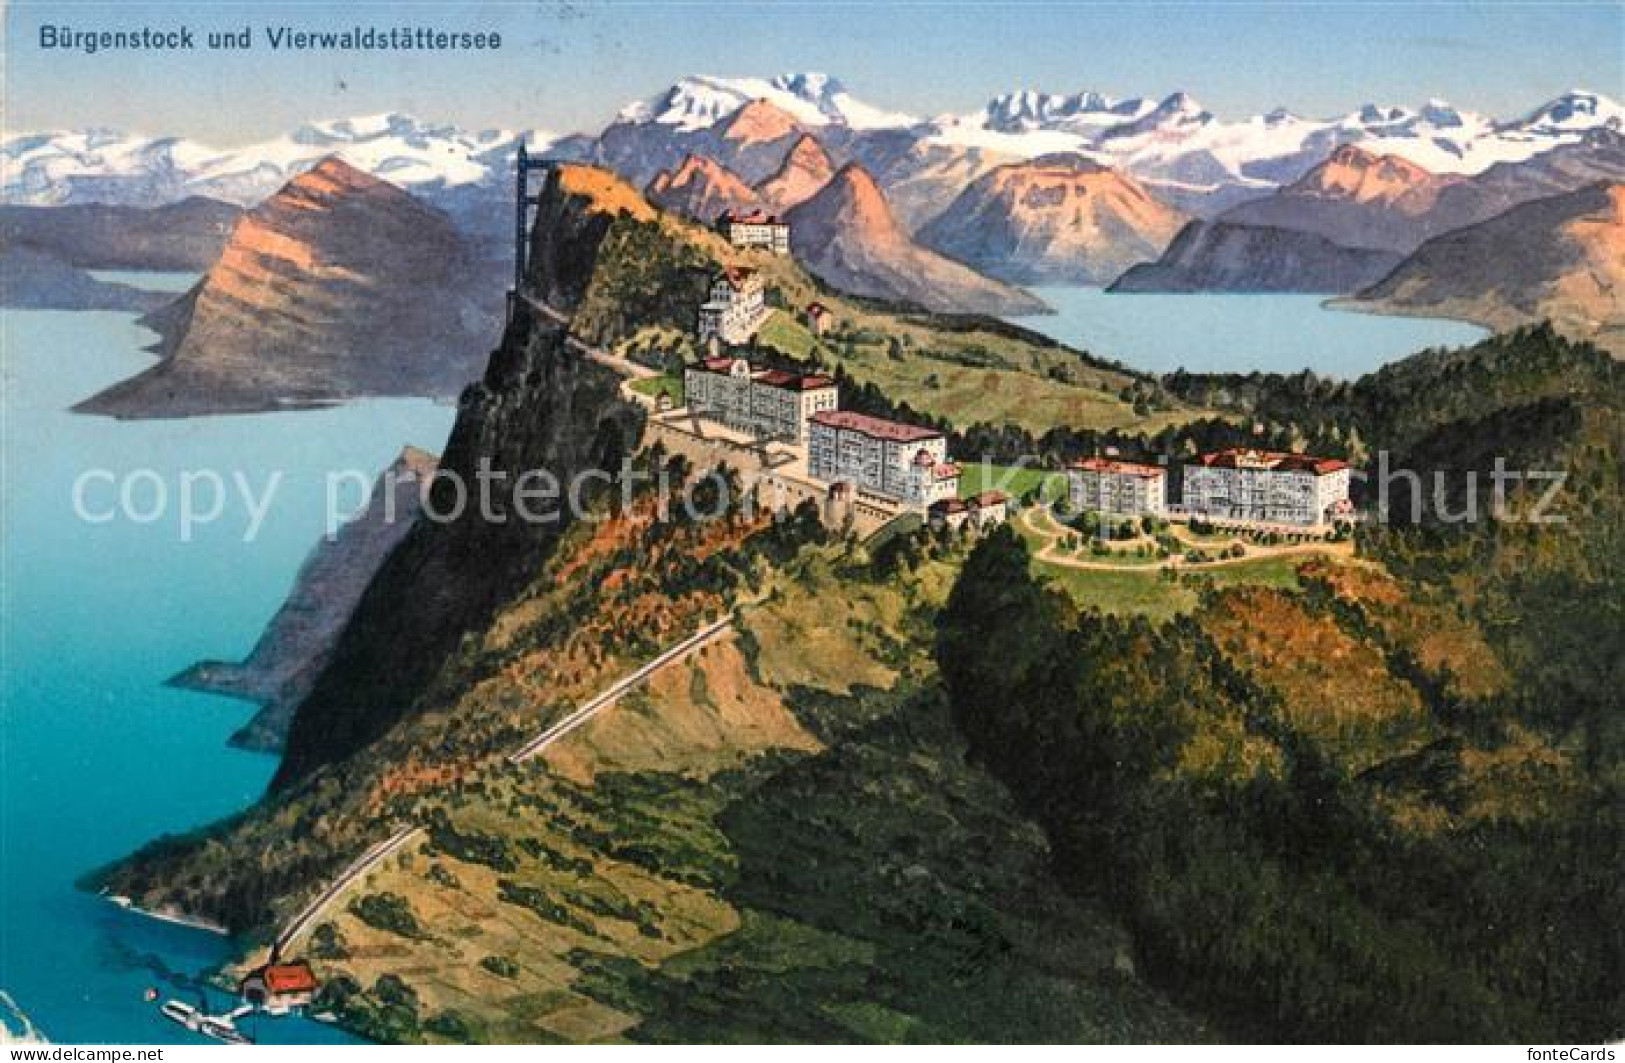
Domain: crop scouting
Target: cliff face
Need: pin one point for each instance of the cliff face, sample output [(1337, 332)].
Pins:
[(298, 642), (340, 285), (1560, 258), (539, 405), (847, 235), (1060, 219), (1228, 256)]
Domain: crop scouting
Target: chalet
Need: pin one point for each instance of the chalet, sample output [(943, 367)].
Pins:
[(766, 403), (1266, 487), (903, 462), (279, 988), (1125, 488), (736, 307), (757, 229), (819, 319)]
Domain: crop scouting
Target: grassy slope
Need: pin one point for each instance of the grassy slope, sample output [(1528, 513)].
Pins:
[(780, 840)]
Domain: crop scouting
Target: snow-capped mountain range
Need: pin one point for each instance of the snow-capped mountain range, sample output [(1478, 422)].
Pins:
[(104, 166), (1174, 145)]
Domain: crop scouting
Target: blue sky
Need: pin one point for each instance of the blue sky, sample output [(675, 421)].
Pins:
[(569, 66)]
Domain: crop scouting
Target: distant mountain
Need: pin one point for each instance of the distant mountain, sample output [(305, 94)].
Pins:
[(338, 286), (847, 235), (753, 141), (1355, 199), (183, 236), (1598, 155), (805, 170), (1181, 152), (1188, 156), (1229, 256), (1059, 219), (701, 189), (33, 279), (1560, 258), (1299, 239)]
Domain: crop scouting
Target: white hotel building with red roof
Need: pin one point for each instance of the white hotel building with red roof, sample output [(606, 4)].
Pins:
[(901, 462), (766, 403), (756, 229), (737, 306), (1126, 488), (1266, 486)]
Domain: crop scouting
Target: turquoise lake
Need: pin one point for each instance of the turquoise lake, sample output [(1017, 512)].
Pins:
[(1236, 332), (97, 757)]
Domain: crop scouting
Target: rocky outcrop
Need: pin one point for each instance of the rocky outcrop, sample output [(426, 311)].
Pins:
[(806, 170), (540, 405), (701, 189), (298, 642), (1560, 259), (1230, 257), (1059, 219), (185, 236), (339, 286), (848, 236)]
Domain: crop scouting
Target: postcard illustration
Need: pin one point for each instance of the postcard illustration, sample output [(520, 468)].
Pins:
[(693, 522)]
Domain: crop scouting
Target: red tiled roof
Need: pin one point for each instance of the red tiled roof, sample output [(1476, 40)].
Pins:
[(990, 498), (736, 276), (1127, 468), (779, 378), (289, 978), (817, 309), (947, 505), (755, 217), (946, 471), (717, 365), (874, 427), (1274, 460)]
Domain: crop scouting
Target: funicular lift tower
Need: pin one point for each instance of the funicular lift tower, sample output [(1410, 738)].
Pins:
[(523, 201)]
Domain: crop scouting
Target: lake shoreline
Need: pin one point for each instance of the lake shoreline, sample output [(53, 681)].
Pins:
[(1158, 333)]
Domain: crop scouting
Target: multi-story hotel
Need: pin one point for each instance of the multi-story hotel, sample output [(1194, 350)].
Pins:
[(768, 403), (736, 307), (1121, 487), (898, 461), (756, 229), (1268, 486)]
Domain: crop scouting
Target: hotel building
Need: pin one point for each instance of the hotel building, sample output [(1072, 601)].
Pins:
[(1266, 486), (767, 403), (736, 307), (898, 461), (1119, 487)]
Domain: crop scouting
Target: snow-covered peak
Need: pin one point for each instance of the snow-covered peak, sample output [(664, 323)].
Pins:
[(1575, 111), (1028, 110), (813, 99), (1177, 115), (1442, 115)]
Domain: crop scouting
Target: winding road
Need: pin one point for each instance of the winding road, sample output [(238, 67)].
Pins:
[(623, 366)]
